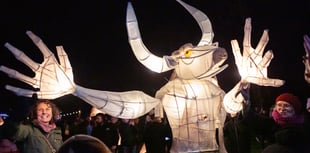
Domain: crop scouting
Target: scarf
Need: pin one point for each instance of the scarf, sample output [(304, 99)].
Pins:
[(296, 119), (45, 127)]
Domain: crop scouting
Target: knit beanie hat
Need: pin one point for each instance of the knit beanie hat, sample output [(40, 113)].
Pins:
[(291, 99)]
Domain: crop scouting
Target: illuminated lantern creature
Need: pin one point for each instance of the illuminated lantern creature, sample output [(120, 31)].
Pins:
[(306, 59), (194, 103)]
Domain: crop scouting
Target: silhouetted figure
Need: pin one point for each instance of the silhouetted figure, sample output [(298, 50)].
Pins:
[(106, 131), (128, 132), (156, 136)]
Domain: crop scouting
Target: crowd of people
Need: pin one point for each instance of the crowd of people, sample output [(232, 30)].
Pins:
[(284, 129), (126, 135)]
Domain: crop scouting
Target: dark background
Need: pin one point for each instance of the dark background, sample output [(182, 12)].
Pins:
[(94, 36)]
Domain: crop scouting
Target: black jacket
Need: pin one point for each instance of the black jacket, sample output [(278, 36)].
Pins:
[(237, 135), (296, 137)]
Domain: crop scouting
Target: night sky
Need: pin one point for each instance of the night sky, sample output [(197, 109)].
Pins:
[(94, 36)]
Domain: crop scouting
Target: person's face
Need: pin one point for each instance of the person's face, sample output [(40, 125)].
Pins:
[(125, 120), (99, 119), (44, 113), (114, 119), (1, 121), (285, 109)]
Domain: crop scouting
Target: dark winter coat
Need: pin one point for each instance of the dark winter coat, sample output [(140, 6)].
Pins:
[(34, 139), (237, 135), (107, 133), (156, 137), (294, 136)]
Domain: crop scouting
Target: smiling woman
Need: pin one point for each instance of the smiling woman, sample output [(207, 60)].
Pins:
[(285, 129), (40, 134)]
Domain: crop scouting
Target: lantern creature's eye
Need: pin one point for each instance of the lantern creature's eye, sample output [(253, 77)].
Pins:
[(188, 53)]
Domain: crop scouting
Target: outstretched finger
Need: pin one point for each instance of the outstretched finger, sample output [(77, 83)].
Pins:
[(40, 44), (236, 51), (262, 43), (306, 59), (247, 37), (264, 63), (21, 56), (16, 75), (307, 43), (64, 60), (265, 81), (20, 91)]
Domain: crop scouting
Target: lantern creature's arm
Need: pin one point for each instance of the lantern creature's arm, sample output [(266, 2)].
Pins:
[(306, 58), (54, 80), (252, 67), (128, 104)]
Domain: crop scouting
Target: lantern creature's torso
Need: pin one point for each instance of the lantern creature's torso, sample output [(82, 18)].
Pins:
[(192, 100), (194, 110)]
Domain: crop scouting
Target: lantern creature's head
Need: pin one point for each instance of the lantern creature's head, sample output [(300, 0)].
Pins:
[(189, 62), (197, 62)]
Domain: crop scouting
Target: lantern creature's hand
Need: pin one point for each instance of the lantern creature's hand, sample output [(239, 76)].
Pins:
[(51, 78), (252, 65), (306, 58)]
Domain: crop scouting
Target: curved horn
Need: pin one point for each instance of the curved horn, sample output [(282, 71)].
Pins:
[(144, 56), (204, 24)]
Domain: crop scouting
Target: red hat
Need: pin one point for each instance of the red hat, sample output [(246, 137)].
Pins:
[(291, 99)]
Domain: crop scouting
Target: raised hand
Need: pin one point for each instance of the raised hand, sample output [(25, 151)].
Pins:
[(306, 58), (252, 65), (51, 78)]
